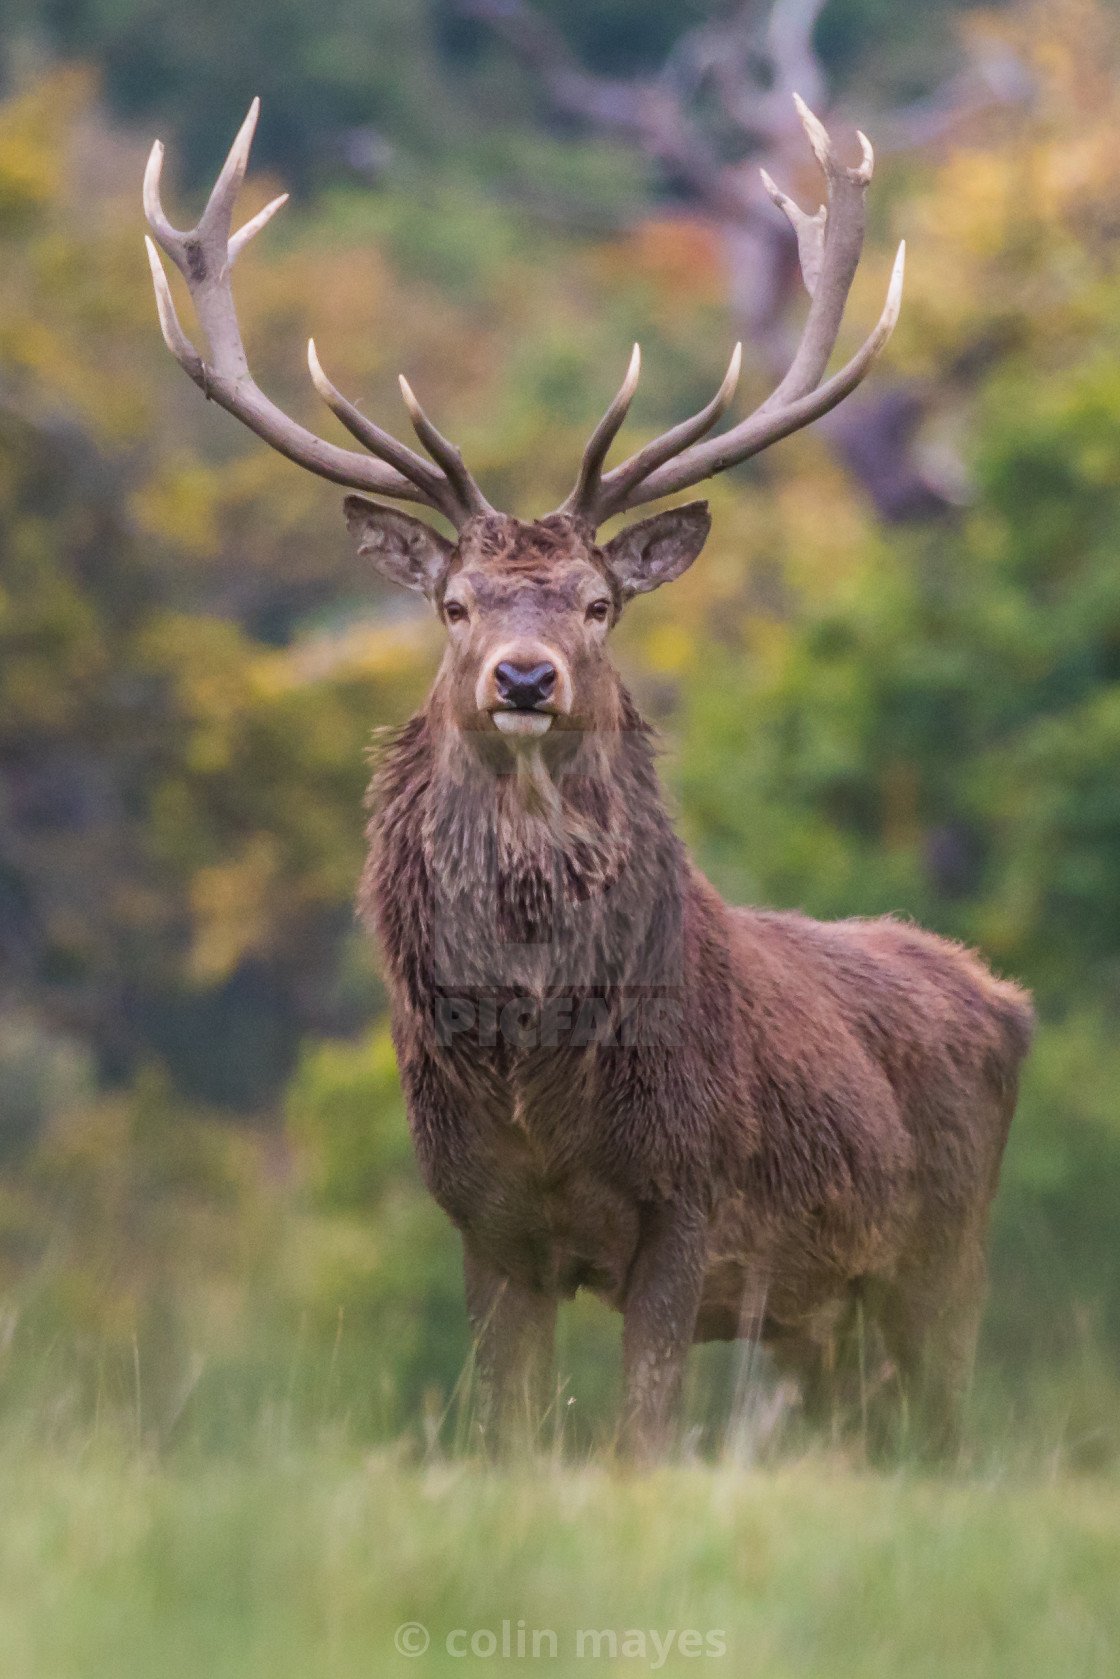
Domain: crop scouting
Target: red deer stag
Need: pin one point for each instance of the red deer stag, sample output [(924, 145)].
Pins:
[(723, 1121)]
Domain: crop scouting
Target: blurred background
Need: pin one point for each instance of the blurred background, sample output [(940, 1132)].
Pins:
[(891, 684)]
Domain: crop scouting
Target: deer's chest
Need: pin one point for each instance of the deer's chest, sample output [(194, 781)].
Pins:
[(542, 1208)]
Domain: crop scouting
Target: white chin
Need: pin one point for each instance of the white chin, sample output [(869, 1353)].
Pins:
[(522, 722)]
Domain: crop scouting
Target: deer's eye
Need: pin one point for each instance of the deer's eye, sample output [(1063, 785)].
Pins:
[(599, 611), (455, 612)]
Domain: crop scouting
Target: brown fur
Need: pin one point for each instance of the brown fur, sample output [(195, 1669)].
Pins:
[(723, 1121)]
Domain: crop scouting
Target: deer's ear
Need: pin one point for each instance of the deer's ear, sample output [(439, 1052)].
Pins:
[(404, 549), (654, 551)]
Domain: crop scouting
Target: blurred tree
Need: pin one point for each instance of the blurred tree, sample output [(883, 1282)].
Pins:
[(372, 62), (332, 80)]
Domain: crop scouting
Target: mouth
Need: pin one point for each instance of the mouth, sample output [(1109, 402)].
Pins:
[(527, 723)]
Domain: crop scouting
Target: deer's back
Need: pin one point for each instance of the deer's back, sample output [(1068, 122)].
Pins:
[(881, 1064)]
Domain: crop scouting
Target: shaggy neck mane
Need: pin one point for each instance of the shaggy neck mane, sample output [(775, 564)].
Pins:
[(525, 868)]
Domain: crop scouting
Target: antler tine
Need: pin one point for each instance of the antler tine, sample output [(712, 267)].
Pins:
[(443, 452), (378, 442), (584, 497), (252, 227), (173, 335), (204, 255), (829, 247), (833, 263), (768, 424), (168, 236), (617, 484), (809, 231), (218, 214)]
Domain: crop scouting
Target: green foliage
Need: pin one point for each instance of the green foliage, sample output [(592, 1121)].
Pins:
[(1055, 1230), (358, 63), (345, 1107)]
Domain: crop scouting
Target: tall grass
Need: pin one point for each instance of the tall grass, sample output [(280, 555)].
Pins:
[(284, 1563), (261, 1531)]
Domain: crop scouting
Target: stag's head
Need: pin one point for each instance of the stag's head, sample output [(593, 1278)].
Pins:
[(527, 607)]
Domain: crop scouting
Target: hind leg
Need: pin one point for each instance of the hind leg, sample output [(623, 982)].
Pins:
[(812, 1364), (930, 1323), (831, 1366)]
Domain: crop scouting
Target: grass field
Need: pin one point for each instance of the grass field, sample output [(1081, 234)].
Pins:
[(277, 1564)]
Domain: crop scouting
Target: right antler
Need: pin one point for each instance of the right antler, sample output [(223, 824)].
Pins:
[(205, 256), (829, 246)]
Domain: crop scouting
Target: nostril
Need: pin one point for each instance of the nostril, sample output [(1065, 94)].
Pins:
[(545, 679), (505, 679), (524, 688)]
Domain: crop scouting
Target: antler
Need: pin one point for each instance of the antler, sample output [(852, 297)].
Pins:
[(829, 246), (205, 256)]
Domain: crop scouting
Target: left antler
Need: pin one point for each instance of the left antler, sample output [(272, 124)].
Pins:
[(205, 256), (829, 246)]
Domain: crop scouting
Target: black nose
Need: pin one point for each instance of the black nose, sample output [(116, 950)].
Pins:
[(523, 688)]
